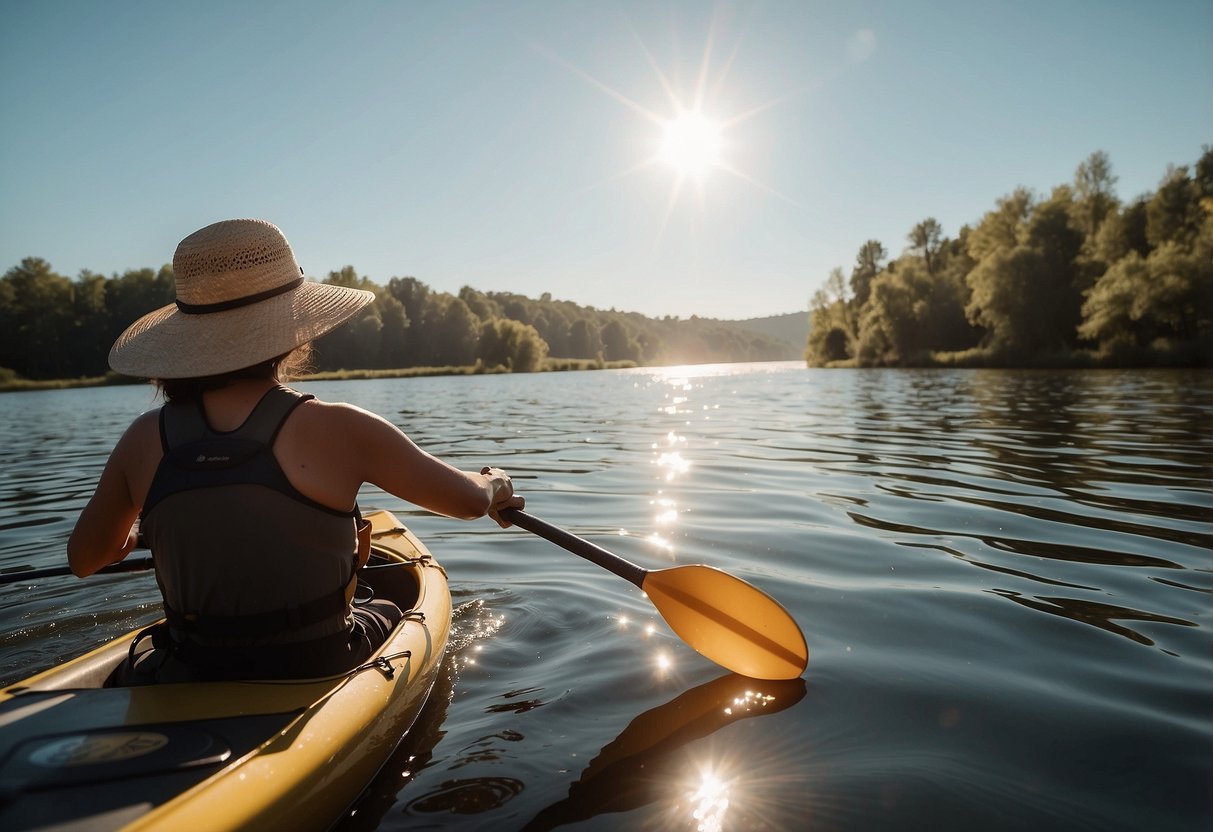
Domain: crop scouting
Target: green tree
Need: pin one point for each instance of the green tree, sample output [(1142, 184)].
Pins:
[(1203, 178), (1094, 194), (457, 331), (925, 240), (519, 309), (357, 343), (350, 279), (415, 297), (1005, 287), (89, 339), (510, 344), (1052, 234), (135, 293), (618, 344), (1025, 287), (585, 339), (651, 345), (911, 313), (482, 306), (393, 337), (832, 326), (1113, 309), (529, 350), (828, 339), (1002, 228), (36, 316), (1122, 232), (868, 263), (1168, 295), (412, 294), (1174, 214), (553, 327)]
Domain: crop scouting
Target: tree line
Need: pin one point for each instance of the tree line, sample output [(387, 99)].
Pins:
[(55, 327), (1077, 277)]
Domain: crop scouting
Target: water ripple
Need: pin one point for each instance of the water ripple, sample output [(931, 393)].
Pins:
[(1004, 578)]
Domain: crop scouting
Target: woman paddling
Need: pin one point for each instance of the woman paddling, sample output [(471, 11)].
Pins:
[(245, 489)]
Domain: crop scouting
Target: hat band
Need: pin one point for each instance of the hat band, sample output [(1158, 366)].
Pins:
[(236, 303)]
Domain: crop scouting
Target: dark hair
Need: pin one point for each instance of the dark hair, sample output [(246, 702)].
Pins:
[(281, 368)]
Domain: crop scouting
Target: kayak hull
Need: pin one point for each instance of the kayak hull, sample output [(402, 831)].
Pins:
[(224, 755)]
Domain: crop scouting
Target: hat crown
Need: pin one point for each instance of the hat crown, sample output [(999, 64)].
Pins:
[(241, 300), (233, 259)]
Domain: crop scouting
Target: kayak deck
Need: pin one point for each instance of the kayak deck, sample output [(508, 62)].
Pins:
[(231, 755)]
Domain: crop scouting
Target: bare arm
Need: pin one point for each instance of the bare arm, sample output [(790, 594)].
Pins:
[(104, 533), (393, 462)]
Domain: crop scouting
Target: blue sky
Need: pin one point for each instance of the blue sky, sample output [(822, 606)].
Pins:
[(510, 146)]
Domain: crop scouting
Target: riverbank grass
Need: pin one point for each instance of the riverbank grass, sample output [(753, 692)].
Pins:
[(10, 382)]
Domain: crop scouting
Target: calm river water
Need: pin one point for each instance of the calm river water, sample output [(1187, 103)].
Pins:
[(1004, 579)]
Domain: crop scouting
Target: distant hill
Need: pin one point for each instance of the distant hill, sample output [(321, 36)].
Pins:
[(791, 329)]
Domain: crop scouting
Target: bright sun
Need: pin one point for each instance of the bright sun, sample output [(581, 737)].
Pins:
[(691, 144)]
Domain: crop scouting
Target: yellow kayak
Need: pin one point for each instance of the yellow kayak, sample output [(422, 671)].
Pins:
[(294, 755)]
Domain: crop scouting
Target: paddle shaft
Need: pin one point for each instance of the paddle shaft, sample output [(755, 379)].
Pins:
[(594, 554), (130, 565)]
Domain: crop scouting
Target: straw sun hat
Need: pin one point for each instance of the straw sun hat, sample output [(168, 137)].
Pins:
[(241, 300)]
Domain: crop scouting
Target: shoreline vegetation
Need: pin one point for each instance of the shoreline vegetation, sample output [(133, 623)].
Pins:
[(58, 330), (1075, 279), (10, 384), (1078, 279), (971, 360)]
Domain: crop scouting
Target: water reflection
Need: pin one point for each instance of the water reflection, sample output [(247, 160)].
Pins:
[(467, 797), (1103, 616), (1033, 548), (667, 513), (710, 802), (654, 760), (670, 460), (1089, 481), (641, 766), (473, 622), (1000, 569)]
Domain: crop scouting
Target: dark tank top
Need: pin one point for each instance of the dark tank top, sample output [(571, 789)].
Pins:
[(243, 559)]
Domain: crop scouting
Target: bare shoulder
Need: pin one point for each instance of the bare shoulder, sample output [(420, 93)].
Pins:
[(339, 422), (329, 449), (335, 414), (137, 454), (142, 435)]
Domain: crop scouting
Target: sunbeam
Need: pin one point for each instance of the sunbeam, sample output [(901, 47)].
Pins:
[(692, 143)]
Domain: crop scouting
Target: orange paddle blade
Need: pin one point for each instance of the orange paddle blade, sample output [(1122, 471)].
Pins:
[(729, 621)]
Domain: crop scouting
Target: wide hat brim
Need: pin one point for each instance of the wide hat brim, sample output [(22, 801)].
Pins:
[(169, 343)]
